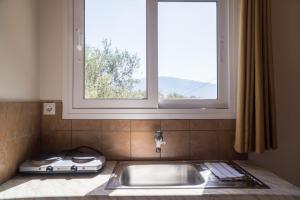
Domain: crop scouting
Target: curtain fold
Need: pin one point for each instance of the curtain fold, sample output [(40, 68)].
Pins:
[(256, 119)]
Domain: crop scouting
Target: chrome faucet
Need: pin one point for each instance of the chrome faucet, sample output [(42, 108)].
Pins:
[(159, 140)]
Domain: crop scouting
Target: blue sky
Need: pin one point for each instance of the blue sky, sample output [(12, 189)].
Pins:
[(186, 34)]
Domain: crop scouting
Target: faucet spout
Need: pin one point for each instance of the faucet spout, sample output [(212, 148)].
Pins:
[(159, 140)]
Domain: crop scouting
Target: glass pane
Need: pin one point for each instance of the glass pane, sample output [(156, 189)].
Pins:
[(187, 50), (115, 49)]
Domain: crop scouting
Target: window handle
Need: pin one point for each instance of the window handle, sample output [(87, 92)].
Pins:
[(79, 39), (222, 44)]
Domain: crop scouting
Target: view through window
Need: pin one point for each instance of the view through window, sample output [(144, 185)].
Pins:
[(187, 50), (115, 50)]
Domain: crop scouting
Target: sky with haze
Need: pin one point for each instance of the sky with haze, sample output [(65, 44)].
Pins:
[(187, 47)]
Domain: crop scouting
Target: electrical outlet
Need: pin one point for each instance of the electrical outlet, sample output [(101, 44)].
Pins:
[(49, 108)]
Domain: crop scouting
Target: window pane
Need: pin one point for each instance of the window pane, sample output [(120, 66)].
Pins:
[(115, 49), (187, 50)]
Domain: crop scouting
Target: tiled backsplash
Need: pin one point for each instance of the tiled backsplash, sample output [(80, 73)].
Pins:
[(22, 127), (134, 139), (19, 134)]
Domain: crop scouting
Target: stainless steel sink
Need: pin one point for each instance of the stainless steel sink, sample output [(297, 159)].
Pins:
[(160, 175), (177, 174)]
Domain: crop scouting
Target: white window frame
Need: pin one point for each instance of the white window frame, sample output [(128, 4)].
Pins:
[(76, 107)]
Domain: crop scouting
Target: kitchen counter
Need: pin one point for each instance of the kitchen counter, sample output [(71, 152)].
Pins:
[(93, 187)]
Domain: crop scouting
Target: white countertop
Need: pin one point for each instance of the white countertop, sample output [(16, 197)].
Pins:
[(93, 187)]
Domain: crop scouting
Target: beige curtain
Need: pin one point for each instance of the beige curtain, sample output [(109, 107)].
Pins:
[(256, 120)]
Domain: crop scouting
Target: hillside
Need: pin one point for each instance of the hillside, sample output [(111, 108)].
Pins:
[(187, 88)]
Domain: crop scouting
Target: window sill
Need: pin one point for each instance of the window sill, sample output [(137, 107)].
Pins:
[(148, 113)]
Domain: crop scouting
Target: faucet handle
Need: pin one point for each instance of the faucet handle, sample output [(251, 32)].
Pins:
[(158, 136), (158, 133), (159, 140)]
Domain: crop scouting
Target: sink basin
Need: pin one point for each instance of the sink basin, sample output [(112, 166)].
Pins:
[(173, 174), (160, 175)]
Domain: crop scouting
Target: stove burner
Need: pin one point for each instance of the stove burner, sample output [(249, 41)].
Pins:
[(66, 162), (45, 159), (83, 159)]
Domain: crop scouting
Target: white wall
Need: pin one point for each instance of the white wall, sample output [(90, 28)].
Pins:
[(51, 62), (19, 67), (286, 44)]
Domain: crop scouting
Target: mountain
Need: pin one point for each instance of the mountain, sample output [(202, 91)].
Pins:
[(187, 88)]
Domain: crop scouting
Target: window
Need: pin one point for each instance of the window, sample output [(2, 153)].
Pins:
[(112, 69), (147, 59)]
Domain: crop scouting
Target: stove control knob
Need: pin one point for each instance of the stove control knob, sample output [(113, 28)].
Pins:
[(49, 169), (73, 168)]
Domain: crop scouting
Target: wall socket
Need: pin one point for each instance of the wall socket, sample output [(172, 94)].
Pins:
[(49, 108)]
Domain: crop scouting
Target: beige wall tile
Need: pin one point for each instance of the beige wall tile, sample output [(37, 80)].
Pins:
[(203, 125), (116, 125), (3, 127), (175, 125), (9, 166), (116, 145), (15, 152), (56, 141), (226, 142), (19, 135), (226, 124), (86, 125), (204, 145), (145, 125), (55, 122), (177, 145), (87, 138), (5, 172), (13, 116), (30, 119), (20, 149), (143, 146)]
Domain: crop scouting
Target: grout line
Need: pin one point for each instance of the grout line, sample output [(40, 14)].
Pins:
[(71, 133), (101, 137), (160, 130), (189, 139), (41, 129)]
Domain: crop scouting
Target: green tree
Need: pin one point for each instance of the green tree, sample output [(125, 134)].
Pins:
[(109, 73), (175, 95)]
